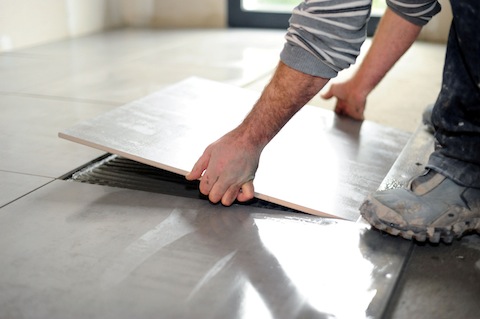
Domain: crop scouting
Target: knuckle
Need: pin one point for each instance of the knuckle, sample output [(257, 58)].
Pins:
[(203, 187)]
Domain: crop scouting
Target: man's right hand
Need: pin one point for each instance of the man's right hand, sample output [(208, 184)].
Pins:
[(226, 169)]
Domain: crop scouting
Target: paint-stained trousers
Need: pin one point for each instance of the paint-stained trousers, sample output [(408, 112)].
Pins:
[(456, 114)]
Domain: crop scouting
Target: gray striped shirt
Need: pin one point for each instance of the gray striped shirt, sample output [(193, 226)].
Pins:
[(325, 36)]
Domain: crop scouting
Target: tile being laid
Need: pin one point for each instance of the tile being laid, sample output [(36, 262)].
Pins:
[(318, 163)]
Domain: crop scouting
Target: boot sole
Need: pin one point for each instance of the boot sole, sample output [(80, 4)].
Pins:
[(421, 234)]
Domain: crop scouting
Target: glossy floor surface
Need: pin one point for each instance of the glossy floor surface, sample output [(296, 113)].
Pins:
[(73, 250), (89, 251)]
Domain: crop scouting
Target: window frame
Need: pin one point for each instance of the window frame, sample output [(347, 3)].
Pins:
[(239, 18)]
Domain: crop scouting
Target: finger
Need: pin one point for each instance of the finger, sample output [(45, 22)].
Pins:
[(230, 195), (360, 117), (198, 168), (207, 182), (327, 95), (355, 113), (215, 188), (247, 192), (340, 109)]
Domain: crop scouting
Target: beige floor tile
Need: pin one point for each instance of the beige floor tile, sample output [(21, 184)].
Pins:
[(72, 250), (14, 185), (121, 67), (29, 135)]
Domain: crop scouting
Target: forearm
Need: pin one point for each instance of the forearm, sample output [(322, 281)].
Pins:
[(288, 91), (227, 167), (393, 38)]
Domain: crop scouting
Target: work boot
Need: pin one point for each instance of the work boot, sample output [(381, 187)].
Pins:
[(432, 208)]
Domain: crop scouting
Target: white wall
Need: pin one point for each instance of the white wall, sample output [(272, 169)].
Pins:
[(175, 13), (88, 16), (26, 23)]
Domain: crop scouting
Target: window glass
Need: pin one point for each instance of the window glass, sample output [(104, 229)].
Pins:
[(286, 6), (378, 7), (276, 13)]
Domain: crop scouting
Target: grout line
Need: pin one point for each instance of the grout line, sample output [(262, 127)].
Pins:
[(392, 300), (33, 190), (24, 55), (59, 98), (27, 174)]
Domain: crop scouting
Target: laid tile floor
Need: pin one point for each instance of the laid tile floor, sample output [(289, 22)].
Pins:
[(47, 88)]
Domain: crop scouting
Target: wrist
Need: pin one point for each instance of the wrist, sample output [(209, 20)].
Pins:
[(251, 135)]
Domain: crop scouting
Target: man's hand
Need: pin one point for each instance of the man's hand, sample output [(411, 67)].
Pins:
[(393, 37), (227, 168), (349, 101)]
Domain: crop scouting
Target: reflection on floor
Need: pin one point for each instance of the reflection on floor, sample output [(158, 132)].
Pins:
[(69, 249)]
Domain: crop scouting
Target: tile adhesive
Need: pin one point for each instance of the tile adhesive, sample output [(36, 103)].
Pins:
[(115, 171)]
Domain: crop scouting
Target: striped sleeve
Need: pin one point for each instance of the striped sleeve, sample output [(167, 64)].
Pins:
[(418, 12), (325, 36)]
